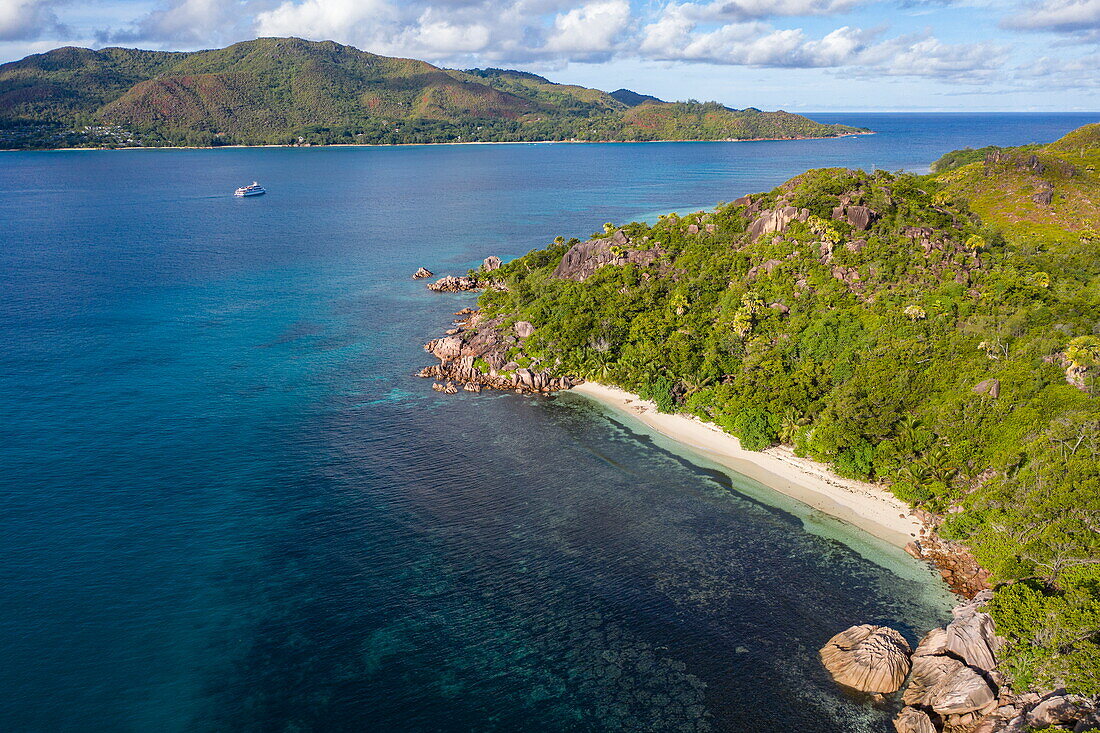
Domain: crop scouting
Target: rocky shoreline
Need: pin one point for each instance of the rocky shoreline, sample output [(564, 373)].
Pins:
[(487, 353), (954, 685), (956, 565)]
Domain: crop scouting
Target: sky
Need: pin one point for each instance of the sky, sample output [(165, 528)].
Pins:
[(798, 55)]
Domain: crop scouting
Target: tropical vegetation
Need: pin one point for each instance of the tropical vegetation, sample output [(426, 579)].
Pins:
[(949, 350)]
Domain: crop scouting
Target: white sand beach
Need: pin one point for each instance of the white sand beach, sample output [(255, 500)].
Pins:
[(864, 505)]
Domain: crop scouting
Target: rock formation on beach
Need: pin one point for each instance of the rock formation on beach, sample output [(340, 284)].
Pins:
[(421, 273), (954, 681), (867, 658), (452, 284), (486, 353), (953, 685)]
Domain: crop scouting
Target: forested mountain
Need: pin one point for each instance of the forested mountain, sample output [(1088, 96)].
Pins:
[(631, 98), (940, 334), (287, 90)]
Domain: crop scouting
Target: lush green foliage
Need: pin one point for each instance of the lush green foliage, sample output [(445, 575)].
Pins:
[(863, 349), (286, 90)]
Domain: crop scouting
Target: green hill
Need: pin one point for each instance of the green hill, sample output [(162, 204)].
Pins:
[(286, 90), (632, 98), (1032, 191), (940, 334)]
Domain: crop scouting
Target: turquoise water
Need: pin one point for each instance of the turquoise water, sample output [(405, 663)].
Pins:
[(229, 506)]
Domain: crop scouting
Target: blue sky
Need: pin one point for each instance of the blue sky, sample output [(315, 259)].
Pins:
[(804, 55)]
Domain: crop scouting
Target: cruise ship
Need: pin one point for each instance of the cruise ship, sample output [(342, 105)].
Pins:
[(253, 190)]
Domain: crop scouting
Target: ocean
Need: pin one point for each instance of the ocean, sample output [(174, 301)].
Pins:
[(228, 504)]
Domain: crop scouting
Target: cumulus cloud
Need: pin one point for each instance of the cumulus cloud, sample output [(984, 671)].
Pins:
[(676, 36), (25, 20), (1060, 16), (741, 10), (927, 56), (1061, 73), (590, 29), (326, 19), (182, 21), (511, 29)]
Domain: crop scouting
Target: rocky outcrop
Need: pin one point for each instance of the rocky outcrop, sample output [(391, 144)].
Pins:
[(954, 684), (860, 217), (867, 658), (584, 258), (452, 284), (1076, 374), (481, 355), (957, 566), (421, 273), (991, 387), (492, 262), (1045, 195), (911, 720), (1055, 711), (776, 220), (971, 636), (921, 235), (768, 267)]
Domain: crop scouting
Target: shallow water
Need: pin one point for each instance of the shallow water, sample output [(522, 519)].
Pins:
[(229, 505)]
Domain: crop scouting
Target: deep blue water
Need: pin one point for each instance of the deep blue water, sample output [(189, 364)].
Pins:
[(227, 504)]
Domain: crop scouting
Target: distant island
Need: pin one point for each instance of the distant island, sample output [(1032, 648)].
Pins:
[(288, 91), (936, 335)]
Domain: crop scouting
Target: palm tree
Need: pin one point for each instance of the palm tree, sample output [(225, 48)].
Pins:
[(790, 426), (907, 429), (936, 462)]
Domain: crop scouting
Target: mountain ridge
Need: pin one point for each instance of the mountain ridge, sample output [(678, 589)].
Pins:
[(289, 90)]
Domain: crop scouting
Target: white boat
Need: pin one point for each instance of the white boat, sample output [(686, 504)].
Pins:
[(252, 190)]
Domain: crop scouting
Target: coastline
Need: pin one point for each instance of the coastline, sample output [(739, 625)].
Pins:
[(864, 505), (409, 145)]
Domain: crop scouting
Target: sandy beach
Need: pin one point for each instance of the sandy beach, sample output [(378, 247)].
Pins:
[(864, 505)]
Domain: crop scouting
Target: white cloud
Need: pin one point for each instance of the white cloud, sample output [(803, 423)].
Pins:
[(326, 19), (675, 36), (590, 29), (1062, 16), (1061, 73), (927, 56), (420, 28), (184, 21), (751, 44), (740, 10), (23, 20)]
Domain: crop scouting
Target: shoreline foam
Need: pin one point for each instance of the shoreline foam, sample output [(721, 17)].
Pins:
[(867, 506)]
